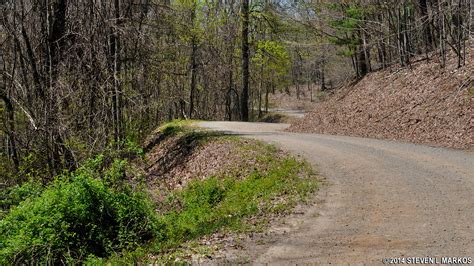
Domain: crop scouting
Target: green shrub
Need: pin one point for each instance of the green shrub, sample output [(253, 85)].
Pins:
[(73, 219), (12, 196)]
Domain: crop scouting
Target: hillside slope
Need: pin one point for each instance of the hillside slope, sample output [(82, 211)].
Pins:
[(422, 104)]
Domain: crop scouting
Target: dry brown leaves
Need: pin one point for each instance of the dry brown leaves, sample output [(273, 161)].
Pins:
[(172, 164), (425, 104)]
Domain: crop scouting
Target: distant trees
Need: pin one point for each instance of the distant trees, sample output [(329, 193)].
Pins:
[(383, 32), (272, 63)]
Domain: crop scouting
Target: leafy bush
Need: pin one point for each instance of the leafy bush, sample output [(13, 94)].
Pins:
[(74, 218), (12, 196)]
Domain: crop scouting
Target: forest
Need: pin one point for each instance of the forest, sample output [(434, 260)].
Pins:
[(80, 75), (88, 77)]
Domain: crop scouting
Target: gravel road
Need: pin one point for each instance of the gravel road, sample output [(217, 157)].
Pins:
[(291, 113), (380, 199)]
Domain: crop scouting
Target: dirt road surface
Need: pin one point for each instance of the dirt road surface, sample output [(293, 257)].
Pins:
[(291, 113), (380, 199)]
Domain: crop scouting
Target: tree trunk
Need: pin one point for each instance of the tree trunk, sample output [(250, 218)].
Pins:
[(193, 65), (116, 91), (442, 34), (245, 61), (361, 61), (11, 130), (366, 53), (228, 101), (426, 25), (56, 30), (267, 91)]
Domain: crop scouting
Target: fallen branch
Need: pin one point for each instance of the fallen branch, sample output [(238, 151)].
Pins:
[(5, 98)]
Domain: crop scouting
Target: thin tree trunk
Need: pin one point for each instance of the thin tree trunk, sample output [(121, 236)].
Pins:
[(426, 26), (245, 61), (229, 94), (267, 91), (193, 65), (116, 92), (442, 49), (362, 60), (11, 129), (366, 52)]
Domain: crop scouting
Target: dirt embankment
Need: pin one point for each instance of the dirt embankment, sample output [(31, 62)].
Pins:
[(422, 104), (211, 190), (173, 161)]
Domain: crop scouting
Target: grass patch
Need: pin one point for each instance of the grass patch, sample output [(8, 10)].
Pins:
[(181, 128), (241, 201), (177, 126)]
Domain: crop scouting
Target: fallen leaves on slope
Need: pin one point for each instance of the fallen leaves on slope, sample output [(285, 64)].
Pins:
[(425, 104)]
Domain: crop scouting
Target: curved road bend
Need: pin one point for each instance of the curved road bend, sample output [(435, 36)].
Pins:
[(383, 199)]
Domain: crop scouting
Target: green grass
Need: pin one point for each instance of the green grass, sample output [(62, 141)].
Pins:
[(234, 202), (177, 126)]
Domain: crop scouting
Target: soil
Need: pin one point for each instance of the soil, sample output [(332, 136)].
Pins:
[(176, 160)]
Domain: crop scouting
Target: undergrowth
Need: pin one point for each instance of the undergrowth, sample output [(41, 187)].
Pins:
[(95, 215), (89, 213)]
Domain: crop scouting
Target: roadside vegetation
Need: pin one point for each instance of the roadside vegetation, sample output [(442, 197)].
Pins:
[(105, 211)]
